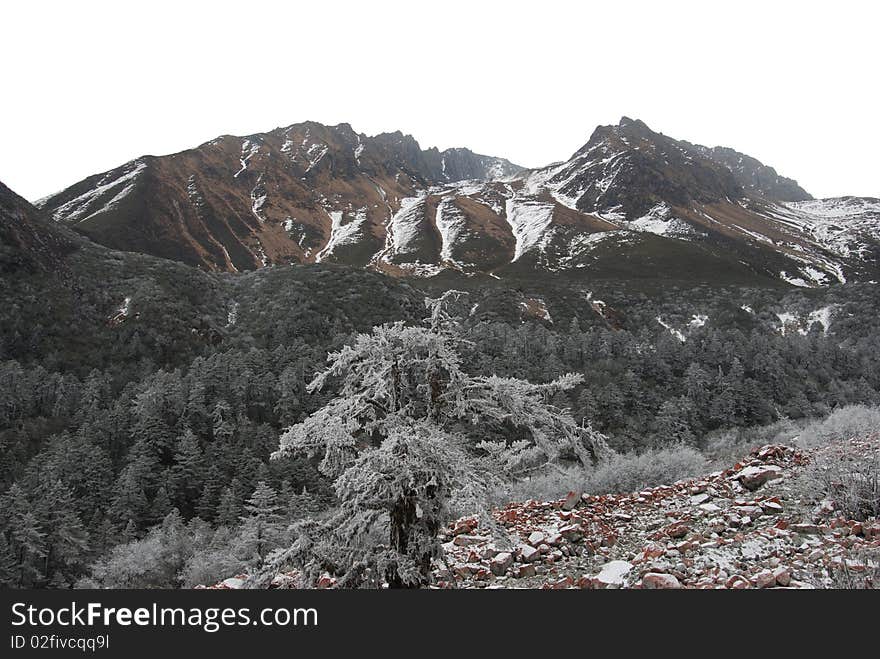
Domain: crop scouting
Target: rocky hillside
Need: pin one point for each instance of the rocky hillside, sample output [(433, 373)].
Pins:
[(304, 193), (630, 203), (753, 525), (749, 526), (26, 242)]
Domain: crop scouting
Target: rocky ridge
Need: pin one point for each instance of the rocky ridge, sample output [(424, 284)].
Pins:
[(743, 527), (630, 203)]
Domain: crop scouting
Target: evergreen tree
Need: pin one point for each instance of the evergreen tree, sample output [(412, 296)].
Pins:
[(261, 525), (27, 542), (401, 437), (186, 474)]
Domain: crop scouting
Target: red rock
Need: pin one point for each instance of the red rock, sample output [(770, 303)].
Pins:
[(529, 554), (536, 538), (465, 525), (325, 582), (571, 500), (501, 563), (737, 582), (764, 579), (754, 477), (782, 575), (871, 531), (572, 532), (466, 540), (523, 571), (654, 580), (677, 530), (561, 584)]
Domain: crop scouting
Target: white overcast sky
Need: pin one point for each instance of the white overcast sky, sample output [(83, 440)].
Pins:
[(90, 85)]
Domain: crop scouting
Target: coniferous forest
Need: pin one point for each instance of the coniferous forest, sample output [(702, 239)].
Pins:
[(142, 401)]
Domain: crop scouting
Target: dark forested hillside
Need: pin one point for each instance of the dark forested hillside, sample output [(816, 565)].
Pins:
[(141, 398), (138, 387)]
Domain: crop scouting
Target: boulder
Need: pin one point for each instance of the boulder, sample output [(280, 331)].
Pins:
[(529, 554), (501, 563), (612, 574), (764, 579), (656, 580), (466, 540), (571, 500), (752, 478), (523, 571), (536, 538), (782, 575)]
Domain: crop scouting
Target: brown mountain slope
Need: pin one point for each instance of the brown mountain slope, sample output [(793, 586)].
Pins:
[(630, 202)]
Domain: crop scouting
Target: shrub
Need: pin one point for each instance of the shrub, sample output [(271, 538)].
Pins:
[(850, 482), (631, 472), (844, 423), (624, 472)]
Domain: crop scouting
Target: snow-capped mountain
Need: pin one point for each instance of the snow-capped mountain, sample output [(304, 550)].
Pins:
[(630, 203)]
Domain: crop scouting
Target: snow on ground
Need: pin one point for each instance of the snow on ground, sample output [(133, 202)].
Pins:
[(791, 322), (232, 314), (342, 234), (258, 200), (676, 333), (529, 221), (248, 150), (86, 205), (359, 149), (837, 224), (535, 307), (698, 320), (451, 225), (402, 230), (315, 153), (261, 254), (794, 281)]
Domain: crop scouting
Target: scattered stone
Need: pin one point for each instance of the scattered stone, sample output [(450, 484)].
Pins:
[(571, 500), (612, 574), (523, 571), (677, 530), (653, 580), (501, 563), (467, 540), (764, 579), (529, 554), (536, 538), (754, 477), (782, 575), (572, 533)]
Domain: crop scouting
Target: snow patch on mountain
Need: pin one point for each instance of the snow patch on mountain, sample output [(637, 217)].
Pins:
[(248, 150), (451, 225), (674, 332), (402, 230), (842, 225), (529, 221), (342, 234), (91, 202)]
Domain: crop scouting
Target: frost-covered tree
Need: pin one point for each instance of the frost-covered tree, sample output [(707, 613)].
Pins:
[(408, 430), (261, 526)]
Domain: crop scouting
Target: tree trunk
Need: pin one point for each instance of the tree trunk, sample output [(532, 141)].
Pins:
[(403, 516)]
